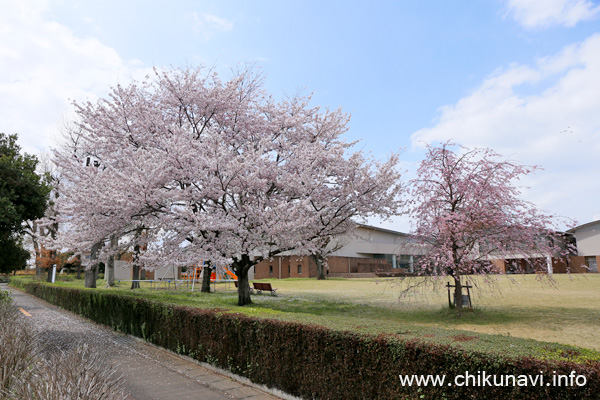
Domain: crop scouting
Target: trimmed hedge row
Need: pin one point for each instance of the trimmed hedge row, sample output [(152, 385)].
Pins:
[(314, 362)]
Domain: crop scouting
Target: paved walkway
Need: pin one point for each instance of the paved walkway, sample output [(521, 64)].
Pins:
[(149, 372)]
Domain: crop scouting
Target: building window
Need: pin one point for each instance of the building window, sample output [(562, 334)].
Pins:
[(405, 261), (299, 269), (591, 263), (513, 267), (289, 270), (270, 270)]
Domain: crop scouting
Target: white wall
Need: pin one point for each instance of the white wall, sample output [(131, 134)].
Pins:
[(165, 273), (588, 239), (369, 241), (122, 270)]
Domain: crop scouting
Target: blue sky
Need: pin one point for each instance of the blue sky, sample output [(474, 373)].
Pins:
[(520, 76)]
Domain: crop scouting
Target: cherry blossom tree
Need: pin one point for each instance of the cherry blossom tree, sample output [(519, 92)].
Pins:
[(260, 177), (353, 189), (215, 171), (108, 175), (467, 212)]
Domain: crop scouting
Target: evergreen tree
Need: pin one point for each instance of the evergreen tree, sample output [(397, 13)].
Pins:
[(23, 196)]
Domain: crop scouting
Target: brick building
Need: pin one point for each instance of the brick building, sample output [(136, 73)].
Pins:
[(379, 252), (371, 251)]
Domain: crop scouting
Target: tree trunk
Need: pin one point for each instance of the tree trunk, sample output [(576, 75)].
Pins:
[(90, 276), (36, 249), (38, 258), (206, 271), (458, 300), (79, 271), (91, 272), (320, 270), (241, 270), (244, 287), (49, 277), (135, 284), (109, 272)]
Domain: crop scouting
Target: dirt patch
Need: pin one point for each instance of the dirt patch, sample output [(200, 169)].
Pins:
[(464, 338)]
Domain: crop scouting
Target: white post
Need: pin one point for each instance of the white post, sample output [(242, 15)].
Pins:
[(53, 273), (549, 264)]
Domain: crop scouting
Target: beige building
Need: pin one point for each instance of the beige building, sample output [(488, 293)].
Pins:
[(588, 244), (371, 251)]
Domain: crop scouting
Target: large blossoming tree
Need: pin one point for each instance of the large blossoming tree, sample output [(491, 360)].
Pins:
[(467, 212), (215, 171), (260, 177)]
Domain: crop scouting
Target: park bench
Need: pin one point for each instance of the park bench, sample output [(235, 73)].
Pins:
[(259, 287)]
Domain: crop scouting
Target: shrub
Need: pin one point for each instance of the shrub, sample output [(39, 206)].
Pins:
[(5, 299)]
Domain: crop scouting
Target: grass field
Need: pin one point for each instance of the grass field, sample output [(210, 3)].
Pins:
[(566, 313)]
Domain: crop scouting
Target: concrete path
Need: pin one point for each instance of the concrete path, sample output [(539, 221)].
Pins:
[(149, 372)]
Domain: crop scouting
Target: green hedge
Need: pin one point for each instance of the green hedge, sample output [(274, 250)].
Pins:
[(313, 362)]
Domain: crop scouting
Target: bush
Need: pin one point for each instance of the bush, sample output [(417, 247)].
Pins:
[(65, 278), (313, 362), (5, 299)]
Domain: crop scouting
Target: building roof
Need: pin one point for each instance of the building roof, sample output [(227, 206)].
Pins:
[(376, 228), (583, 226)]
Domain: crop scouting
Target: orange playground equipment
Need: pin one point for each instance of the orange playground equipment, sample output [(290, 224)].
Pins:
[(218, 274), (222, 275)]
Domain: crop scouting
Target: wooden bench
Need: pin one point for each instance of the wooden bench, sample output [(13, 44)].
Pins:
[(259, 287)]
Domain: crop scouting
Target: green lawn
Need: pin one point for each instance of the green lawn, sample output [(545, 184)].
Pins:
[(567, 313)]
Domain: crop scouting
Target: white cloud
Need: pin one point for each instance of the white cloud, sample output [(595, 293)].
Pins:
[(43, 66), (206, 25), (546, 114), (545, 13)]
